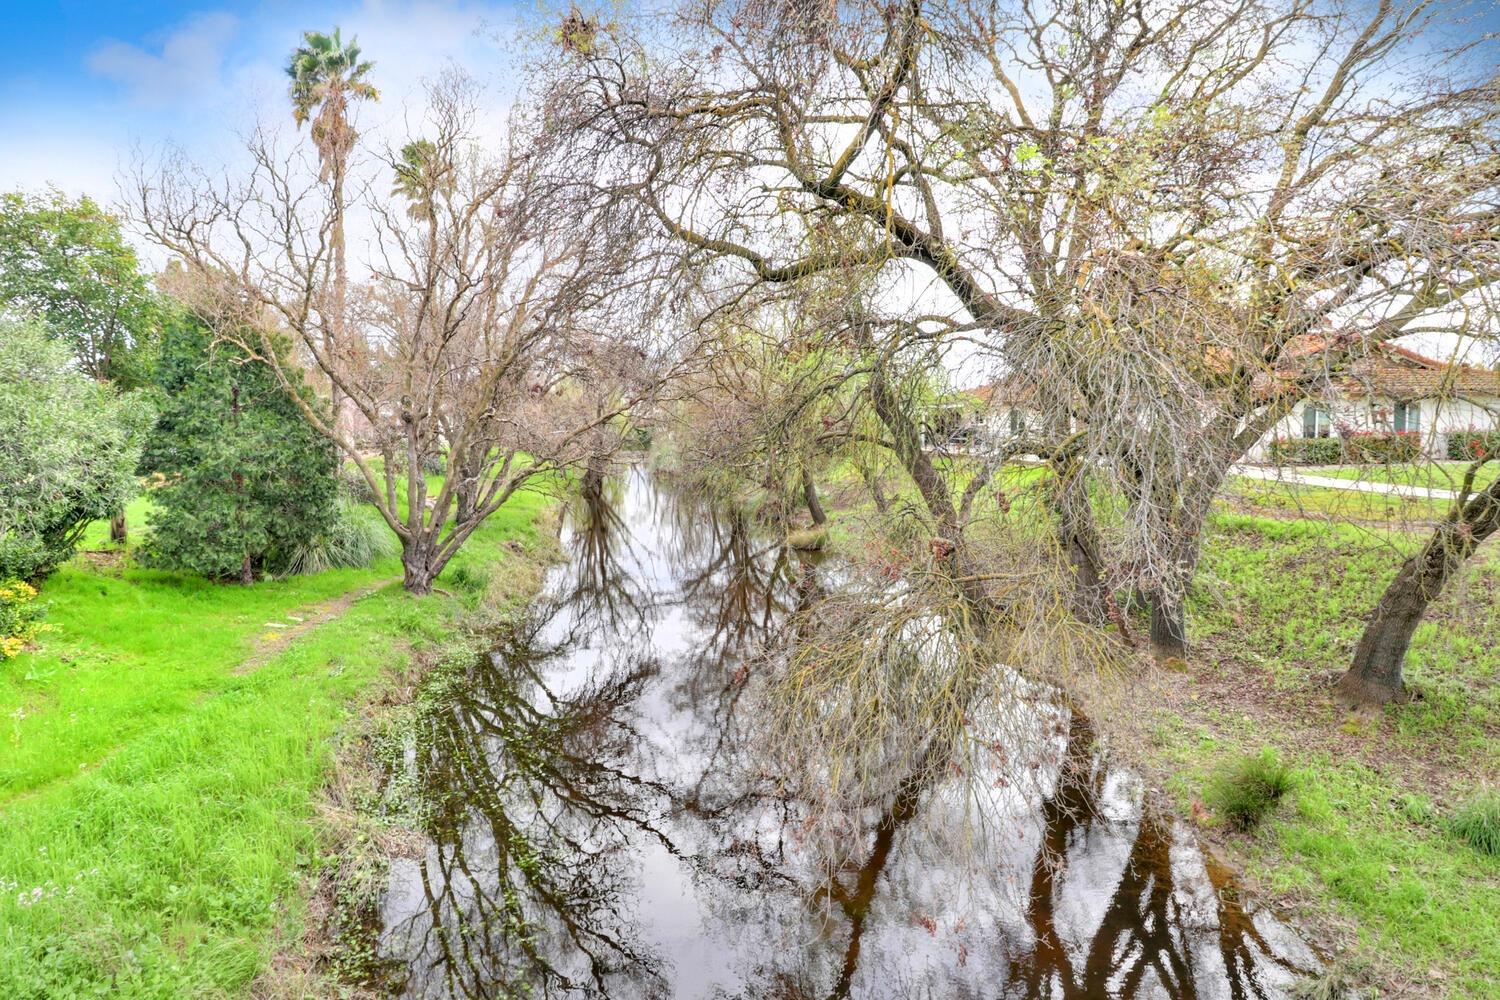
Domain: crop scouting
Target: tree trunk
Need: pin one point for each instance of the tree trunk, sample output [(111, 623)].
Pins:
[(1090, 596), (464, 492), (1168, 626), (334, 333), (247, 570), (877, 492), (417, 572), (118, 529), (1374, 676), (1080, 541), (810, 496)]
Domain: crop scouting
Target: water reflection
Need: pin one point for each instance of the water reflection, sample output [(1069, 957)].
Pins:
[(601, 825)]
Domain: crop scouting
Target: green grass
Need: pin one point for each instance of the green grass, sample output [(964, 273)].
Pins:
[(1365, 843), (1244, 791), (1477, 823), (1433, 475), (1289, 499), (158, 806)]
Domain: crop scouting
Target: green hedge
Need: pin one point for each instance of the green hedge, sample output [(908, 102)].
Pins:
[(1307, 451), (1382, 447), (1465, 446), (1362, 447)]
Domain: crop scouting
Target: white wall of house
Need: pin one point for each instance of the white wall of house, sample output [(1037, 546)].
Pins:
[(1002, 423), (1436, 420)]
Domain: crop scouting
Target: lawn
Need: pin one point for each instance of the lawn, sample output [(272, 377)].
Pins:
[(1433, 475), (164, 751), (1288, 499)]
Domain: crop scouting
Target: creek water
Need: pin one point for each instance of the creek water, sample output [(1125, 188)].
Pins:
[(594, 829)]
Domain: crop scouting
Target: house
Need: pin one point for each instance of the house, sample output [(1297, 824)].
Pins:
[(1005, 411), (1393, 389)]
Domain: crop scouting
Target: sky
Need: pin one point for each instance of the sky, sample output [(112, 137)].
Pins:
[(87, 86), (86, 83)]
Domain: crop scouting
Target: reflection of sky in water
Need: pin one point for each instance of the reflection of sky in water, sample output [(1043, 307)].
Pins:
[(603, 830)]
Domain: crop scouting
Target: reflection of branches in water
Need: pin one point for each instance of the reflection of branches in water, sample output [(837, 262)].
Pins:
[(1148, 927), (732, 581), (540, 808), (530, 808), (601, 594)]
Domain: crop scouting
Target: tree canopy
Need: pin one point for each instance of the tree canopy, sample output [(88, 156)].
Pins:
[(67, 264), (68, 450)]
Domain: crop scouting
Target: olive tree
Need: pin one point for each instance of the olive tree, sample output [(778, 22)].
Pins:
[(1142, 210), (68, 451)]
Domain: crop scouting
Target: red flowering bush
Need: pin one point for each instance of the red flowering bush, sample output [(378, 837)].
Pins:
[(1472, 444)]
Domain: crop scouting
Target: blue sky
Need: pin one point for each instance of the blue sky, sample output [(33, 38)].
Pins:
[(82, 84)]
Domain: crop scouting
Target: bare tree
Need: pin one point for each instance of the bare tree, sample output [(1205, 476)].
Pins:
[(1141, 207), (483, 333), (1374, 677)]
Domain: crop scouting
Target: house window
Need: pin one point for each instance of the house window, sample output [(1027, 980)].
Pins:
[(1017, 423), (1316, 421), (1408, 417)]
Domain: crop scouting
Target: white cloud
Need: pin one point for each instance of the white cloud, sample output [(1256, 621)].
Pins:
[(190, 61)]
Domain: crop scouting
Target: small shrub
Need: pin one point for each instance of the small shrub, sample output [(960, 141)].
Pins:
[(353, 486), (1478, 823), (1307, 451), (354, 539), (1471, 444), (1383, 447), (20, 617), (1244, 792)]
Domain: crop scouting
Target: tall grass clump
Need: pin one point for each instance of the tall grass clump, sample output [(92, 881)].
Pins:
[(356, 538), (467, 579), (1477, 823), (1246, 790)]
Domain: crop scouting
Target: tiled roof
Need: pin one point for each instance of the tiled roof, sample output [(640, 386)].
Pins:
[(1401, 373), (1386, 370)]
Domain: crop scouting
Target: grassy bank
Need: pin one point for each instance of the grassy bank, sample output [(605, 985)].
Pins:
[(1363, 848), (164, 752)]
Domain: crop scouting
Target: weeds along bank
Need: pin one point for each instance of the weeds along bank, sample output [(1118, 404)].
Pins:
[(164, 754), (1380, 829)]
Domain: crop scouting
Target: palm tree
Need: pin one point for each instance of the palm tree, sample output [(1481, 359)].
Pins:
[(327, 76), (421, 175)]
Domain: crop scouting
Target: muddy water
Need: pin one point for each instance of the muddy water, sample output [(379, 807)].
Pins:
[(601, 826)]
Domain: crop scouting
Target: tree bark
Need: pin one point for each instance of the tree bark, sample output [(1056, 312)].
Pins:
[(1080, 541), (333, 334), (1168, 626), (462, 467), (877, 492), (417, 570), (118, 530), (247, 570), (810, 497), (1375, 675)]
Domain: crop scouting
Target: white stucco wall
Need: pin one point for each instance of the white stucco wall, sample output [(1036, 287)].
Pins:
[(996, 424), (1439, 418)]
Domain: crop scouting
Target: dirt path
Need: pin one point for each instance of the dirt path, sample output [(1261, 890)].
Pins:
[(280, 634)]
